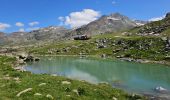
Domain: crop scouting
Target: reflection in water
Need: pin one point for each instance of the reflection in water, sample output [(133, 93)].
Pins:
[(77, 74), (129, 76)]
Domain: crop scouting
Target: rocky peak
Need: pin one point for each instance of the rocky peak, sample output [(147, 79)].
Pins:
[(116, 15), (140, 22), (108, 23)]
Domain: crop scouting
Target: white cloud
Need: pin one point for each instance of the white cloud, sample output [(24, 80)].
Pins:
[(4, 26), (77, 19), (21, 30), (19, 24), (61, 18), (33, 23), (157, 18)]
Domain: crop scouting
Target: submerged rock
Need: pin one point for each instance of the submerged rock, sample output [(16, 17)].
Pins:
[(160, 89)]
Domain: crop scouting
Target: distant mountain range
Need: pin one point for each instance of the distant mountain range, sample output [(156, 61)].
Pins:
[(106, 24)]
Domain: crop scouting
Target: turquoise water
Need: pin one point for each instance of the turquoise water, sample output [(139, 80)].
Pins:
[(134, 77)]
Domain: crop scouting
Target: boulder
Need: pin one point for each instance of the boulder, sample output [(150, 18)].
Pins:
[(37, 94), (103, 56), (24, 91), (101, 46), (29, 59), (42, 84), (50, 96), (37, 59), (66, 82)]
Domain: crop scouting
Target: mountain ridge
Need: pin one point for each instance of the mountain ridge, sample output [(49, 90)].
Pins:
[(115, 22)]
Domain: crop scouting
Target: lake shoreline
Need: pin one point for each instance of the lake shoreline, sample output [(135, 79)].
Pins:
[(145, 94), (143, 61)]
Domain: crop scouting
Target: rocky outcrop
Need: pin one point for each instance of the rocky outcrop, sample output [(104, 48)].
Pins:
[(28, 58), (155, 28), (168, 15)]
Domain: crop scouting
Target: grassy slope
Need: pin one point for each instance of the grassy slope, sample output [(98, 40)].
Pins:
[(10, 86), (155, 24), (136, 47)]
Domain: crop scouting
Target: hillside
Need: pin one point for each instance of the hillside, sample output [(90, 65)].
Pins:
[(157, 28), (44, 34)]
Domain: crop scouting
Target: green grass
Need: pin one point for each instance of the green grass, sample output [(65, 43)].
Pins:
[(12, 82), (137, 47), (166, 32)]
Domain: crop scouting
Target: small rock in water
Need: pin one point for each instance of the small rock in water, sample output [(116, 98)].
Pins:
[(42, 84), (49, 96), (66, 82), (160, 89), (103, 56)]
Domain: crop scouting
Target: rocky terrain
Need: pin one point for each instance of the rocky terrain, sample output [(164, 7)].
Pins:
[(3, 38), (48, 33), (157, 28)]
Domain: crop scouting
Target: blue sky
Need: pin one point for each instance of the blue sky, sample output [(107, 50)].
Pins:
[(32, 14)]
